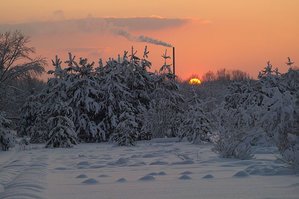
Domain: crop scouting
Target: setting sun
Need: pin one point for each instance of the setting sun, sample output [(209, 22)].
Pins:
[(194, 81)]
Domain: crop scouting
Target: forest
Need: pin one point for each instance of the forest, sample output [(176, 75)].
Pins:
[(123, 101)]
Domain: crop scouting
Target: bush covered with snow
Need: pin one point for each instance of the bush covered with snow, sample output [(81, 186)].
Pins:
[(195, 125), (237, 121), (7, 139)]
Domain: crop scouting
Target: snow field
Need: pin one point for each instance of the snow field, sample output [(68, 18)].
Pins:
[(152, 169)]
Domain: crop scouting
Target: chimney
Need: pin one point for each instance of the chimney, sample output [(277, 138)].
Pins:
[(173, 60)]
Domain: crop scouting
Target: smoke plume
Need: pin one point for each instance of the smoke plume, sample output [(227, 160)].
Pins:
[(141, 38)]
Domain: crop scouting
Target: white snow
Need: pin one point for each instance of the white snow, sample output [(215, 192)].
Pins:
[(181, 170)]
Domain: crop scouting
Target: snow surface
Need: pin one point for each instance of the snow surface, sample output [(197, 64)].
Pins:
[(154, 169)]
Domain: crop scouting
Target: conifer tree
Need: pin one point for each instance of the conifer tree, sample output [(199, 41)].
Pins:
[(195, 126), (61, 130), (7, 140)]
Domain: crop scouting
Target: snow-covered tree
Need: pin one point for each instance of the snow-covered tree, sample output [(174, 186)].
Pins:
[(277, 103), (281, 120), (141, 84), (29, 117), (61, 130), (45, 102), (126, 131), (84, 94), (7, 139), (195, 126), (162, 118), (237, 119), (119, 103)]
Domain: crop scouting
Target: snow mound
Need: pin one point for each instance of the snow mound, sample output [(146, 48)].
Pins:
[(135, 156), (294, 185), (121, 180), (159, 163), (138, 164), (162, 173), (185, 177), (83, 163), (269, 170), (153, 174), (120, 162), (183, 162), (186, 173), (241, 174), (61, 168), (209, 176), (82, 176), (147, 178), (103, 176), (90, 181), (149, 156), (97, 166)]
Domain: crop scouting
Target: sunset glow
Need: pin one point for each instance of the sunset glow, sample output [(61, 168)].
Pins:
[(208, 35), (194, 81)]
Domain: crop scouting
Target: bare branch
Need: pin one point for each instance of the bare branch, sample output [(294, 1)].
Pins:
[(13, 50)]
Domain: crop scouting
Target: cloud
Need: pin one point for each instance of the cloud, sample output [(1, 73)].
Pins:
[(91, 24), (117, 26), (92, 52), (58, 15), (147, 23)]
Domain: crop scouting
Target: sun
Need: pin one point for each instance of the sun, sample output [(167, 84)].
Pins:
[(194, 81)]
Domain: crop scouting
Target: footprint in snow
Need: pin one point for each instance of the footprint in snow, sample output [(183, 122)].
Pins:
[(90, 181)]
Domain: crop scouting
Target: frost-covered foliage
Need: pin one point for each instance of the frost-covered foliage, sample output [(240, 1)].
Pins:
[(237, 122), (30, 115), (126, 88), (264, 107), (7, 139), (108, 101), (280, 116), (61, 130), (83, 92), (195, 126), (126, 131), (163, 116)]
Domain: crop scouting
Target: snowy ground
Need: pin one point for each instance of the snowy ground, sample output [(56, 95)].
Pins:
[(156, 169)]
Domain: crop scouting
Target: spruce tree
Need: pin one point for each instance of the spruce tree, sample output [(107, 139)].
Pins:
[(7, 139), (61, 130), (195, 126)]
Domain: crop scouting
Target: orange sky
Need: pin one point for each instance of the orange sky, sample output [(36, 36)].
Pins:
[(208, 35)]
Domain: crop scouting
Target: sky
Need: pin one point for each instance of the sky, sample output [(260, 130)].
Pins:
[(208, 35)]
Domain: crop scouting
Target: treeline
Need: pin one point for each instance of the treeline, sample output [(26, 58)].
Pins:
[(121, 101), (111, 102)]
